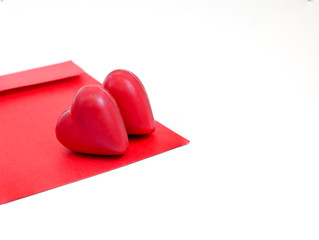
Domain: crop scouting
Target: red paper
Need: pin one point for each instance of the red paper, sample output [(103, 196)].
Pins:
[(31, 158)]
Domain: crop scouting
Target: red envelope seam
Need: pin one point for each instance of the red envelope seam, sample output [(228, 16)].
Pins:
[(39, 75)]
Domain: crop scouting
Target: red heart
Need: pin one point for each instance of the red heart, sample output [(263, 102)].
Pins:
[(133, 102), (93, 125)]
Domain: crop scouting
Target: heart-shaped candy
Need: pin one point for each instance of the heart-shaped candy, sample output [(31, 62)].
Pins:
[(93, 125), (132, 100)]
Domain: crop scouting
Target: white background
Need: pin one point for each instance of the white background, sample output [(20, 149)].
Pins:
[(238, 78)]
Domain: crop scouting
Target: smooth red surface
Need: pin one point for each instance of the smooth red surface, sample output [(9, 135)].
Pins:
[(31, 158), (132, 99), (94, 124), (40, 75)]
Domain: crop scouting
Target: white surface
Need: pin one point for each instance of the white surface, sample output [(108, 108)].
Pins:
[(239, 78)]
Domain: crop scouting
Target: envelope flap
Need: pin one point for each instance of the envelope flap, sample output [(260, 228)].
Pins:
[(39, 75)]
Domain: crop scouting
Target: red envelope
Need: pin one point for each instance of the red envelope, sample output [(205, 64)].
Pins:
[(31, 158)]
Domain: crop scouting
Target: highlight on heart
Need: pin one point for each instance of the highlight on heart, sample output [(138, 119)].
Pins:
[(101, 117)]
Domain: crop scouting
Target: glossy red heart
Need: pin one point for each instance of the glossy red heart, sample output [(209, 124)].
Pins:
[(131, 97), (93, 125)]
